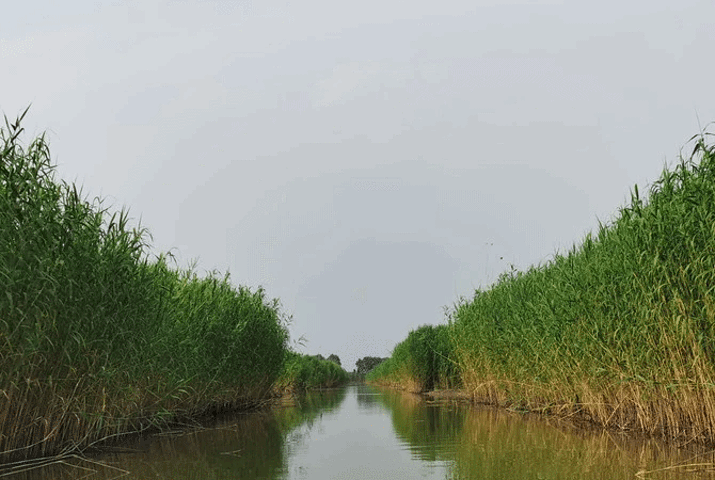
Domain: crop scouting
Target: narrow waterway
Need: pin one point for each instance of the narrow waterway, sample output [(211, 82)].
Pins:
[(360, 432)]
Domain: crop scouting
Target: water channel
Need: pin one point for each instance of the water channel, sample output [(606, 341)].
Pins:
[(360, 432)]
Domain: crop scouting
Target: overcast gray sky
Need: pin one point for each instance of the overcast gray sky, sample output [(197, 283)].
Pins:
[(366, 162)]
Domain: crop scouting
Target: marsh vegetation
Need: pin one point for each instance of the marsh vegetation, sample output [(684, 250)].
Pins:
[(99, 336), (620, 329), (361, 431)]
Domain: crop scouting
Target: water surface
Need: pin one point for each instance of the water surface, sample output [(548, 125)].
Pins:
[(360, 432)]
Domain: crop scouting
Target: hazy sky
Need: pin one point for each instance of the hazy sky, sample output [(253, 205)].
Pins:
[(366, 162)]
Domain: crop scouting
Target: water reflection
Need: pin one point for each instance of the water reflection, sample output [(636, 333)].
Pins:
[(252, 445), (361, 432), (484, 442), (243, 446), (357, 443), (427, 429), (368, 399)]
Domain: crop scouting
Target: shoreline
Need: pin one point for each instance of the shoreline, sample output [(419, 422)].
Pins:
[(579, 420), (151, 423)]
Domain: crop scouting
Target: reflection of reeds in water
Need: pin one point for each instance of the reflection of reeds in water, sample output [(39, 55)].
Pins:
[(250, 442), (368, 399), (251, 445), (497, 444), (427, 428), (244, 443), (487, 442)]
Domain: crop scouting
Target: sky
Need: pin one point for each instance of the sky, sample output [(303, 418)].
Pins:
[(368, 163)]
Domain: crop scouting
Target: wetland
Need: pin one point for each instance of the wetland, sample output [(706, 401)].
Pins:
[(362, 431)]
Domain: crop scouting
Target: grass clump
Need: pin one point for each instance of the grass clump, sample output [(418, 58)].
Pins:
[(422, 362), (97, 339)]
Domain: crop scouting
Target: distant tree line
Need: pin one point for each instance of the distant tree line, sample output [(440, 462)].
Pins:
[(364, 365), (332, 358)]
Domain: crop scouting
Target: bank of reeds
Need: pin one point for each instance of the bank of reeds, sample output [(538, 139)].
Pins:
[(486, 442), (96, 337), (304, 372), (422, 362), (621, 328)]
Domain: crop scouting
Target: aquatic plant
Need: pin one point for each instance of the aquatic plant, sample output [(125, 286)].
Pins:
[(619, 329), (98, 338), (421, 362), (302, 372)]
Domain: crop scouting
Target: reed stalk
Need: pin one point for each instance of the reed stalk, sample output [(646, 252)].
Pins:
[(619, 329), (98, 336)]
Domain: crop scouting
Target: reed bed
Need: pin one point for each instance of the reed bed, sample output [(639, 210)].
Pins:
[(486, 442), (620, 329), (422, 362), (96, 337), (304, 372)]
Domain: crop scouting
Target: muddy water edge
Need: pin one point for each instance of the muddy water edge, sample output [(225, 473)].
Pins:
[(360, 431)]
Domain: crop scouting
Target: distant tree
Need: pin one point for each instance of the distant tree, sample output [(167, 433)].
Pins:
[(319, 357), (366, 364), (335, 359)]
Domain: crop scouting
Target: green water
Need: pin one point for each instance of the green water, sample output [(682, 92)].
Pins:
[(359, 432)]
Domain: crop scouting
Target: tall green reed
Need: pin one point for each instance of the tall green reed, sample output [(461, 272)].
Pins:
[(303, 372), (422, 362), (619, 328), (96, 336)]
